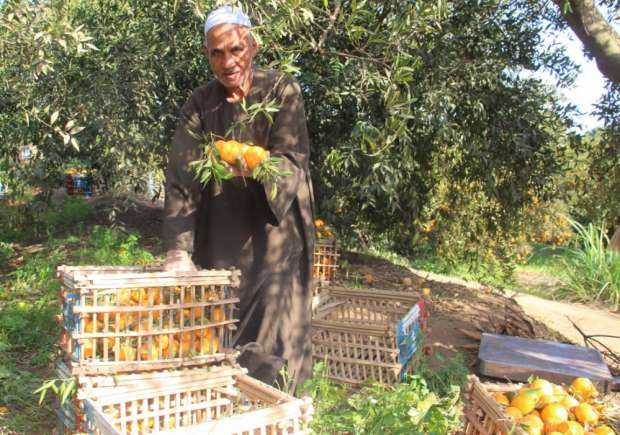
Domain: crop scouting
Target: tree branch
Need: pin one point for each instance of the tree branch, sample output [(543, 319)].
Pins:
[(596, 34), (326, 31)]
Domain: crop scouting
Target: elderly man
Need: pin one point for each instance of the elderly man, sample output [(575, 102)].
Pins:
[(237, 224)]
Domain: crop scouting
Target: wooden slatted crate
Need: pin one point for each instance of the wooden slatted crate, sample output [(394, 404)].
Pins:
[(325, 263), (122, 319), (367, 334), (483, 416), (218, 400)]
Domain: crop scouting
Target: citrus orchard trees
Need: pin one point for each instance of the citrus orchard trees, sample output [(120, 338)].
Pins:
[(422, 127)]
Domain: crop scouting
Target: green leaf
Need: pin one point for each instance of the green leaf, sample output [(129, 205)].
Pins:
[(54, 117)]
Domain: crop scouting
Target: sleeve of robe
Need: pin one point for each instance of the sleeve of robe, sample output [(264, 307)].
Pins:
[(288, 139), (182, 190)]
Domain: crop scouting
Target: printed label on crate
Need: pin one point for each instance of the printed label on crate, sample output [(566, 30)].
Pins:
[(408, 335)]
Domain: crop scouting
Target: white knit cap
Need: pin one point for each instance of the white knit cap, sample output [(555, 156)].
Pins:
[(227, 15)]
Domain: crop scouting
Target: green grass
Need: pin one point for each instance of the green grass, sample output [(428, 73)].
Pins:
[(546, 259), (29, 302), (592, 270)]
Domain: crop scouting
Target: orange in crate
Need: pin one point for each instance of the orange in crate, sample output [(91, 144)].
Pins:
[(119, 319), (325, 263)]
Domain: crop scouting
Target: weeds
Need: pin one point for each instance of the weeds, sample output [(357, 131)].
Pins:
[(426, 403), (592, 270)]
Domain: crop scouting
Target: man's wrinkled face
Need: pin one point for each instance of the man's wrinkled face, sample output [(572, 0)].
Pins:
[(230, 51)]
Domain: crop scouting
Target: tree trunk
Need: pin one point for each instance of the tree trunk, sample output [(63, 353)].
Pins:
[(596, 34)]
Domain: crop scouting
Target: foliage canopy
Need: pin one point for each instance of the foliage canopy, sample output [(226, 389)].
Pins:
[(421, 125)]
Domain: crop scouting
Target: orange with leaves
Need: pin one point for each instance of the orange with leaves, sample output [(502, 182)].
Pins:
[(230, 151), (254, 156)]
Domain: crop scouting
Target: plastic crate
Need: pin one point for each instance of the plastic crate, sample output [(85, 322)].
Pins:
[(325, 262), (367, 334), (218, 400), (122, 319), (79, 183)]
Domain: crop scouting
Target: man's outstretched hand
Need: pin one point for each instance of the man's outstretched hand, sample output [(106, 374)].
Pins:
[(178, 261)]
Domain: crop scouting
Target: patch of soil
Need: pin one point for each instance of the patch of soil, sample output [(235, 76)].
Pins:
[(133, 213), (459, 310)]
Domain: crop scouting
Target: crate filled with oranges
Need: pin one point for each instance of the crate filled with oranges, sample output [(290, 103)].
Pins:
[(326, 254), (539, 407), (122, 319)]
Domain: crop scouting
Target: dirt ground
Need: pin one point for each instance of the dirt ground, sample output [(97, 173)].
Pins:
[(560, 316), (460, 309)]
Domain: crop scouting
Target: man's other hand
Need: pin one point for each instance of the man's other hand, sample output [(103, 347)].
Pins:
[(178, 261)]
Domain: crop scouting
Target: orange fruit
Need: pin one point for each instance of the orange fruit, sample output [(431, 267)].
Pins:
[(585, 413), (603, 430), (219, 145), (569, 402), (122, 321), (530, 392), (148, 353), (145, 325), (156, 295), (124, 296), (197, 313), (542, 384), (570, 428), (319, 223), (88, 325), (163, 341), (127, 353), (554, 414), (583, 388), (525, 402), (186, 343), (501, 398), (532, 424), (87, 349), (254, 156), (214, 343), (230, 151), (547, 399), (558, 390), (217, 314), (514, 413), (173, 349)]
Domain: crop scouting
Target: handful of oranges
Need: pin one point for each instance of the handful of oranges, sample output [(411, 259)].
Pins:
[(541, 407), (323, 231), (221, 154)]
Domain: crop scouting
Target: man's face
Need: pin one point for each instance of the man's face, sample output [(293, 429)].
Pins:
[(230, 51)]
